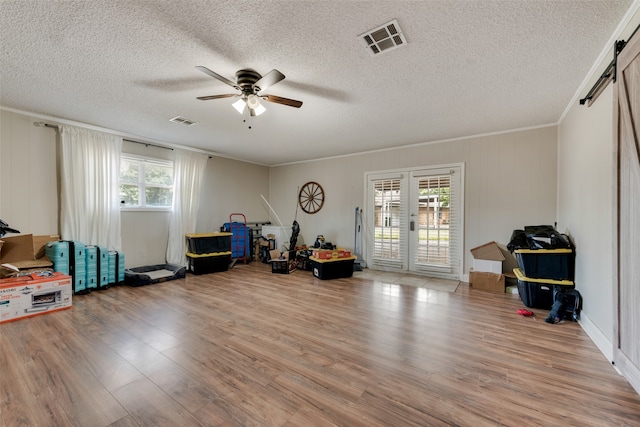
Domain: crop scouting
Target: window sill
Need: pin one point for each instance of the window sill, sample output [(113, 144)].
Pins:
[(146, 209)]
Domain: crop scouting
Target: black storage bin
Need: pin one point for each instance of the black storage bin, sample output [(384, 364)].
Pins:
[(552, 264), (304, 261), (207, 243), (209, 263), (538, 293), (334, 268)]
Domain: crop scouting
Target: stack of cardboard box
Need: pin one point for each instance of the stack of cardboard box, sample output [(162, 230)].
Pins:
[(493, 265)]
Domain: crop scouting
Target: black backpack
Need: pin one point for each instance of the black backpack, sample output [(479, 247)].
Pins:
[(567, 304)]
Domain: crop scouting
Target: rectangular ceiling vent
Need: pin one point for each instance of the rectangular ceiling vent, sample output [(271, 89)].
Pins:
[(183, 121), (384, 38)]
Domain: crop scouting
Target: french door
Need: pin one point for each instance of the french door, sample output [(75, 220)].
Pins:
[(415, 220)]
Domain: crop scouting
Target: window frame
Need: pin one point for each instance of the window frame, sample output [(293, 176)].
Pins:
[(142, 184)]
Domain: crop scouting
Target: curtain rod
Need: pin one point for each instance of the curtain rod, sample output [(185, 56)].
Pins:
[(47, 125), (147, 144), (610, 71)]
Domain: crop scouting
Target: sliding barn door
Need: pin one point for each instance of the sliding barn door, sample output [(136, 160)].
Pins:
[(627, 232)]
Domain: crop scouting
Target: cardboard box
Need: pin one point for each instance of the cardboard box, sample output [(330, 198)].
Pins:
[(283, 263), (32, 295), (493, 257), (24, 267), (330, 253), (23, 254), (17, 248), (24, 247), (487, 258), (487, 281), (40, 243)]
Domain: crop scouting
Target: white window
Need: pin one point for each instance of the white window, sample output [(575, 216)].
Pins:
[(146, 183)]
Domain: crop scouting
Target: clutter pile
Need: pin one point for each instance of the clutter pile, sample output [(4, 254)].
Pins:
[(546, 270)]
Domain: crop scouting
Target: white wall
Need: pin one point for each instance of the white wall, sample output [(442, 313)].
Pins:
[(28, 175), (510, 182), (231, 186), (585, 205)]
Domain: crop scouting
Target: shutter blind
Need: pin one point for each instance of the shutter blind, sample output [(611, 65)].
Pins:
[(439, 220), (389, 222)]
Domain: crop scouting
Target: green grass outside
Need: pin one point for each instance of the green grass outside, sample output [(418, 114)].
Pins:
[(394, 233)]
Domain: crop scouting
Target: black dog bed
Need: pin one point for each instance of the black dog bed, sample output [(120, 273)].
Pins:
[(150, 274)]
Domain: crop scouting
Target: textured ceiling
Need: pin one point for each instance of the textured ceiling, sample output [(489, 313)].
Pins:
[(468, 68)]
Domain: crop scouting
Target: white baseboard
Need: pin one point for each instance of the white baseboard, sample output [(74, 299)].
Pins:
[(599, 339)]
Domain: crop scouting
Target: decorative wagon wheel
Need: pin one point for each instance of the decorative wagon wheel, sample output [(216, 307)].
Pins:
[(311, 197)]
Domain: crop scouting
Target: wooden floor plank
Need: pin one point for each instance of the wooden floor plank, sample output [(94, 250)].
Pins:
[(247, 347), (151, 406)]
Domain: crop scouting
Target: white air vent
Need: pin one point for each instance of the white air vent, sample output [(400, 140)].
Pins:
[(183, 121), (384, 38)]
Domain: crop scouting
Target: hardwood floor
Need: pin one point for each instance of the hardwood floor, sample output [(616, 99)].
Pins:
[(250, 348)]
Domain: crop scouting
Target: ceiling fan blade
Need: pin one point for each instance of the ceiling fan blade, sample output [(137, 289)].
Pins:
[(217, 76), (226, 95), (269, 79), (281, 100)]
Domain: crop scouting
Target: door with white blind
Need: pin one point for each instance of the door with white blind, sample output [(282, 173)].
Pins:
[(415, 220)]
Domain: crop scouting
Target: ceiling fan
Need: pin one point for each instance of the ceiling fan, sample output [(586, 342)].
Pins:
[(250, 83)]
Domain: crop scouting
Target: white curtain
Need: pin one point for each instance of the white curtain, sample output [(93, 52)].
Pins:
[(188, 171), (90, 195)]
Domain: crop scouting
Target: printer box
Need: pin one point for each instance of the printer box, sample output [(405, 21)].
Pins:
[(26, 296)]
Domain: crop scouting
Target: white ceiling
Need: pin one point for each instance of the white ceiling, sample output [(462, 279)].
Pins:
[(468, 68)]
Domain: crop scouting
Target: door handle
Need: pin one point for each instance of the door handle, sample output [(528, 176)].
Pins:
[(412, 225)]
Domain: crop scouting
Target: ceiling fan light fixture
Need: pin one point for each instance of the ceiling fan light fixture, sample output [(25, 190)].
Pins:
[(253, 101), (239, 105), (250, 83), (259, 109)]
